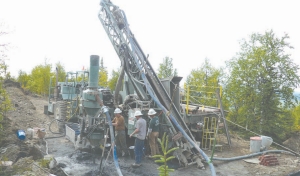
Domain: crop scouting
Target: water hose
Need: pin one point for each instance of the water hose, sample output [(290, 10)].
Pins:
[(251, 155), (115, 156), (167, 114), (138, 63), (213, 172)]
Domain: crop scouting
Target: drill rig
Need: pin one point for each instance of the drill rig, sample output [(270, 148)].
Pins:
[(149, 90)]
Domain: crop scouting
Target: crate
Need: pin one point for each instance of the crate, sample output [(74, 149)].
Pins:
[(72, 131)]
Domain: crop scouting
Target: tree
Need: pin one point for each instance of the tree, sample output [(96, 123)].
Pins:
[(113, 80), (261, 83), (23, 78), (39, 81), (103, 75), (5, 103), (166, 68), (203, 83), (61, 72), (164, 169), (296, 116)]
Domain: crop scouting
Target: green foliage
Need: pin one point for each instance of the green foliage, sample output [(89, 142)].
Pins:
[(61, 72), (103, 74), (164, 169), (5, 103), (166, 68), (82, 77), (23, 78), (40, 79), (203, 83), (296, 119), (261, 83), (44, 162), (113, 80)]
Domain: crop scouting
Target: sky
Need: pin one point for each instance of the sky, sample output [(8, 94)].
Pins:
[(69, 31)]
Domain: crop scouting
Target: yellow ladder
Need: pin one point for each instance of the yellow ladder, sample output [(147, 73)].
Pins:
[(209, 132)]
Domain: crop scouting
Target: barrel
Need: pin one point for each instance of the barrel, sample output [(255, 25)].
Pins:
[(21, 134), (255, 144)]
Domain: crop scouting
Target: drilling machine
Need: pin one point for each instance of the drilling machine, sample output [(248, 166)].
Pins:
[(77, 105), (149, 91)]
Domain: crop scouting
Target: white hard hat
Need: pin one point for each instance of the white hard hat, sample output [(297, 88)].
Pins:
[(117, 111), (151, 112), (137, 113)]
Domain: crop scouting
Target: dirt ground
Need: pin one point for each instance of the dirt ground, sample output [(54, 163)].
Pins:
[(27, 155)]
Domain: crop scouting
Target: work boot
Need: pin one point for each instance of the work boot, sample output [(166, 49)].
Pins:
[(136, 165)]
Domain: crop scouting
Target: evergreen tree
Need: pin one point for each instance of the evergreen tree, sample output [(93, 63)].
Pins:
[(166, 68), (103, 74)]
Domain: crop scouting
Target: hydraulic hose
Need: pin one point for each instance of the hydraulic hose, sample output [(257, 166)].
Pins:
[(62, 134), (115, 156), (138, 53), (211, 166), (149, 88), (251, 155)]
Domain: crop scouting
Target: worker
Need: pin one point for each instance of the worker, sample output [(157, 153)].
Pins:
[(153, 132), (140, 134), (120, 137)]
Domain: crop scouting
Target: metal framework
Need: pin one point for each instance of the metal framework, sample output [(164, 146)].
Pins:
[(135, 62)]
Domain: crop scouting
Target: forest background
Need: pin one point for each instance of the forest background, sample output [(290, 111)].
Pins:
[(257, 85)]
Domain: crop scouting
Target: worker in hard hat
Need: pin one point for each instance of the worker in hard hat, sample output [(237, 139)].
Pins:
[(153, 132), (140, 134), (120, 138)]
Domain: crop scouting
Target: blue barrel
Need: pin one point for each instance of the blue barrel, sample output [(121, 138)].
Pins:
[(21, 134)]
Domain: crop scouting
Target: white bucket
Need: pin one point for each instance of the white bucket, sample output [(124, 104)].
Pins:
[(266, 141), (30, 132), (255, 144)]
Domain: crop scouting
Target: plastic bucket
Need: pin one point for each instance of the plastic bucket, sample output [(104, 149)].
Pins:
[(30, 133), (131, 152), (266, 141), (255, 144), (21, 134)]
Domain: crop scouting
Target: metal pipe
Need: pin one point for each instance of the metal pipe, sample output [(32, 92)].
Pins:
[(94, 71)]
